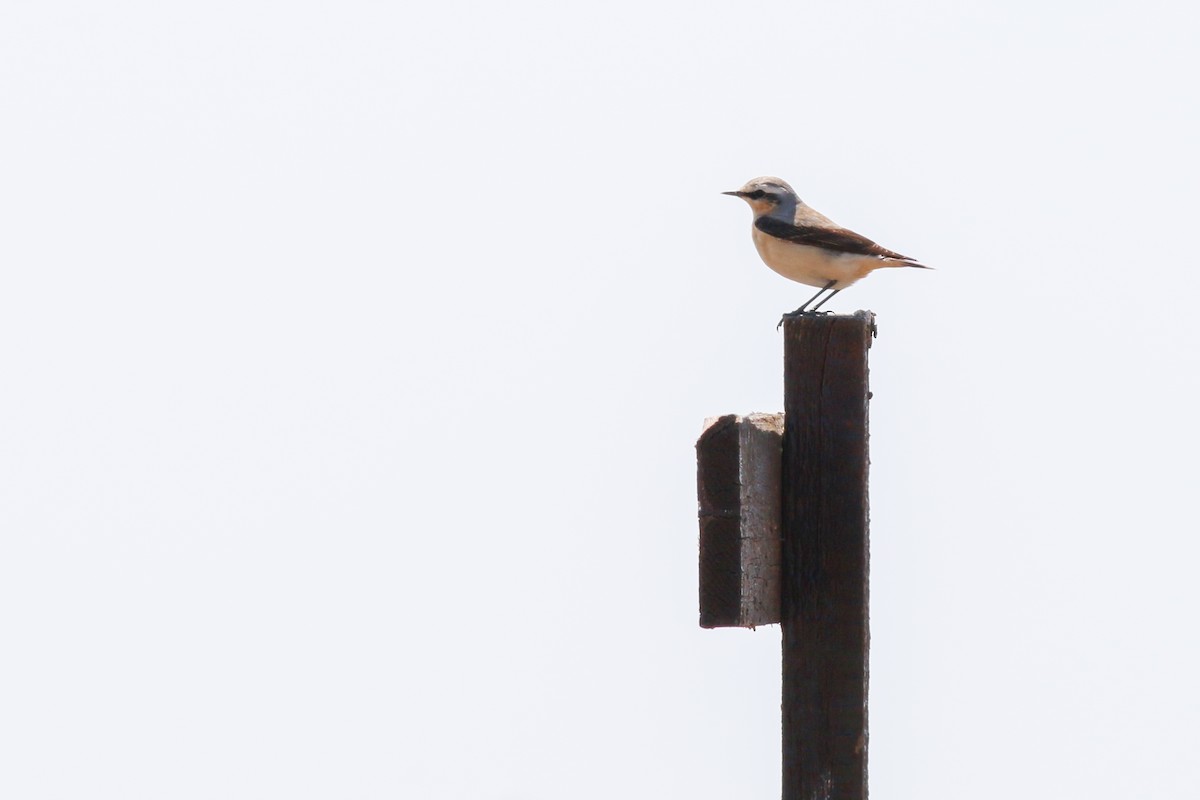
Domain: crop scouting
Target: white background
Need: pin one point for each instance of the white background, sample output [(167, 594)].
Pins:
[(352, 357)]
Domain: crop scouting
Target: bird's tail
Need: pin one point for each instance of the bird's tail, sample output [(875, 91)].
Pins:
[(903, 261)]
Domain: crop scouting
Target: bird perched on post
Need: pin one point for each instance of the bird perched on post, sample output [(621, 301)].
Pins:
[(808, 247)]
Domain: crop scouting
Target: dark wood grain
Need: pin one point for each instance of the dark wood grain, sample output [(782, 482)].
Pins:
[(825, 555), (738, 466), (720, 522)]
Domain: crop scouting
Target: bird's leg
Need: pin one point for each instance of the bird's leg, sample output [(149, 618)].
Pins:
[(820, 292), (828, 297), (800, 311)]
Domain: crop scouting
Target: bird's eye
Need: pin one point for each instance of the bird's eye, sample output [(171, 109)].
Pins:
[(756, 194)]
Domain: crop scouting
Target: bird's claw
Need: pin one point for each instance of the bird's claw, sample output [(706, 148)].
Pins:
[(799, 312)]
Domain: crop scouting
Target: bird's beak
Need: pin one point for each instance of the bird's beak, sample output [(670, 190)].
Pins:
[(735, 194)]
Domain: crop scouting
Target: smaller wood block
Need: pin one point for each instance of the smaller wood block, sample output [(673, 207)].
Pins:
[(739, 468)]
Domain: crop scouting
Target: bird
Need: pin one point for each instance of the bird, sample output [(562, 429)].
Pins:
[(808, 247)]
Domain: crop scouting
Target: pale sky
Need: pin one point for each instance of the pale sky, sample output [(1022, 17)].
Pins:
[(354, 353)]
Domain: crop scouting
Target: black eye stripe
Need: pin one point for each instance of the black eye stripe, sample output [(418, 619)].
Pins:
[(756, 194)]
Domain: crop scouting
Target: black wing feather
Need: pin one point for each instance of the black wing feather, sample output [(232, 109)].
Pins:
[(839, 240)]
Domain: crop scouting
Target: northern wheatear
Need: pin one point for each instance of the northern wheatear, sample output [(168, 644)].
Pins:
[(808, 247)]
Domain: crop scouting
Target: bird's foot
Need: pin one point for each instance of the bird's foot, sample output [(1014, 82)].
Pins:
[(799, 312)]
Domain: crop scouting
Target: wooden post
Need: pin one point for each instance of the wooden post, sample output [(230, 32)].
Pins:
[(825, 556), (738, 464)]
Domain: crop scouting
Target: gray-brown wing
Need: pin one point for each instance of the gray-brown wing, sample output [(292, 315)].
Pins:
[(838, 240)]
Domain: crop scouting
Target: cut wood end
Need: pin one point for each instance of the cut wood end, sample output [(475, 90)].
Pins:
[(764, 421)]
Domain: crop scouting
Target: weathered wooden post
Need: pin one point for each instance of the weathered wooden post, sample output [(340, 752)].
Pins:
[(739, 470), (820, 577)]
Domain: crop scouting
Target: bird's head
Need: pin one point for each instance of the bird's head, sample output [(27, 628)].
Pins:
[(766, 194)]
